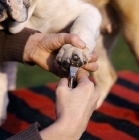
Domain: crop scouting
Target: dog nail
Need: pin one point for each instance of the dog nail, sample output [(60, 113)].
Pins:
[(68, 60), (84, 62), (59, 59)]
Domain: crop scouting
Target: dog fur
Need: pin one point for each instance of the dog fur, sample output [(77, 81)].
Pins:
[(83, 18), (118, 17)]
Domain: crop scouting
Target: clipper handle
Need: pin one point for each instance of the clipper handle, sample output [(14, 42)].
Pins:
[(72, 82)]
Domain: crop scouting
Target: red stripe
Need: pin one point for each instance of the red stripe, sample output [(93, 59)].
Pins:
[(14, 125), (106, 132), (52, 86), (119, 113), (45, 105), (125, 93), (129, 76)]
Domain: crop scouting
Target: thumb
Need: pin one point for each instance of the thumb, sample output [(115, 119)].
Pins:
[(55, 41), (63, 82), (73, 39), (82, 77)]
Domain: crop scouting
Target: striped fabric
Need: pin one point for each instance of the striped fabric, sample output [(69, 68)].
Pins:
[(117, 119)]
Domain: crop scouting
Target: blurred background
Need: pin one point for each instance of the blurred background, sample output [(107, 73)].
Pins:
[(29, 76)]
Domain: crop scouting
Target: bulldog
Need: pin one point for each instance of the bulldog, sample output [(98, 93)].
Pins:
[(73, 16), (97, 22)]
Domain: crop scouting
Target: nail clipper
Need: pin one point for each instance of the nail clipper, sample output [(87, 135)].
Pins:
[(75, 63)]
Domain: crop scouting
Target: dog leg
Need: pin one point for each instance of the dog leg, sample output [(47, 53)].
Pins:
[(86, 26), (7, 82), (131, 31), (3, 97), (132, 38), (106, 76), (10, 68), (130, 23)]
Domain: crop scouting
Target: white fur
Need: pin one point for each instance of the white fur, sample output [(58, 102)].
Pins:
[(50, 16), (3, 97)]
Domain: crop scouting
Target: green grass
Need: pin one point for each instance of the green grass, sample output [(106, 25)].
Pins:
[(122, 57), (32, 75)]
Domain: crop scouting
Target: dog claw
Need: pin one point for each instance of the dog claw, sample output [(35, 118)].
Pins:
[(84, 62), (65, 65), (75, 61)]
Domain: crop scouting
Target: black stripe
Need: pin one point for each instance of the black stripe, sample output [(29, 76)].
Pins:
[(128, 84), (44, 91), (4, 134), (119, 124), (117, 101), (87, 136), (23, 111)]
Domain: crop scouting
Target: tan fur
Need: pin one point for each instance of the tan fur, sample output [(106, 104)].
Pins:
[(98, 3), (128, 12), (54, 16), (117, 16)]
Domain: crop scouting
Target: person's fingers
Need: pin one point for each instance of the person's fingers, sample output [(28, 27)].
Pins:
[(55, 41), (90, 66), (82, 77), (73, 39), (63, 82), (93, 57)]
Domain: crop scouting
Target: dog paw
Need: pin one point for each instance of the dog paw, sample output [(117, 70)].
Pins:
[(66, 54)]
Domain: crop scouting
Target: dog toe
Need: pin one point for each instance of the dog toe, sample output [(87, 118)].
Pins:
[(64, 57)]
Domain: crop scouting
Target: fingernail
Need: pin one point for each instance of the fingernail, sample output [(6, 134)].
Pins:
[(81, 44), (90, 57), (94, 56)]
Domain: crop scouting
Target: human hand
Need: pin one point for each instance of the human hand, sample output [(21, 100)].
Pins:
[(73, 109), (16, 9), (42, 50)]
